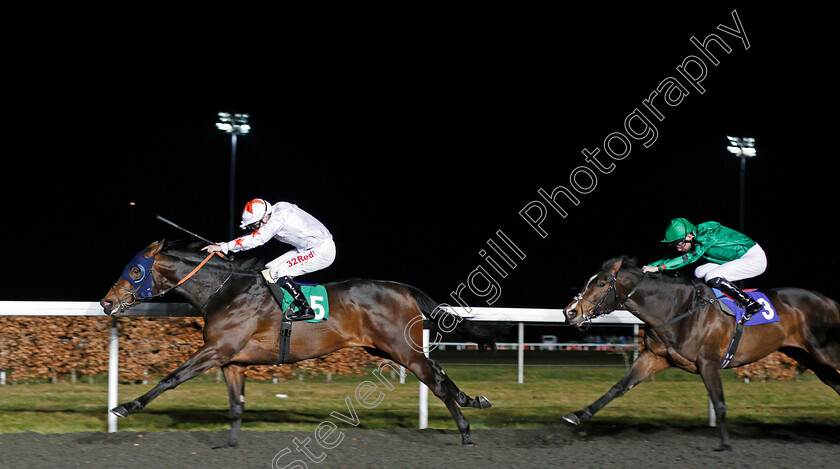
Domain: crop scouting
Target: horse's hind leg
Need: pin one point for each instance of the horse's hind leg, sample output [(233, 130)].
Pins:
[(235, 379), (826, 373), (645, 365), (202, 360), (479, 402), (430, 374)]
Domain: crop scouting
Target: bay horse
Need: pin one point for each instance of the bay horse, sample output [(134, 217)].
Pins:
[(680, 331), (242, 324)]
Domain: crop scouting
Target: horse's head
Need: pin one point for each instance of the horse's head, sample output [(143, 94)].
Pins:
[(135, 284), (599, 296)]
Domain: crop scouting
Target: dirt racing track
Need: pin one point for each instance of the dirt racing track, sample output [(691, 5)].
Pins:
[(590, 446)]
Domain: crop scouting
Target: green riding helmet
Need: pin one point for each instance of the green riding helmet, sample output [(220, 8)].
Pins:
[(677, 229)]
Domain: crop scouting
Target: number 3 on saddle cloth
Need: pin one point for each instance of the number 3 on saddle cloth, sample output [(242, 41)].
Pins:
[(765, 316)]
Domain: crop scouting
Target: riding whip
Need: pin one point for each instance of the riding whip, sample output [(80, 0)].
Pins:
[(168, 222)]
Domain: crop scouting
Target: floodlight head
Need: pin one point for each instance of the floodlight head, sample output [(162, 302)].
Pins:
[(233, 123), (741, 146)]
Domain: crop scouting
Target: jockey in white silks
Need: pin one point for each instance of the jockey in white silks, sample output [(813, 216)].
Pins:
[(313, 244)]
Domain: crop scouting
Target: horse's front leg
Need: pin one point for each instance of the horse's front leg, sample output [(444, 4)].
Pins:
[(645, 365), (235, 379), (710, 372), (202, 360)]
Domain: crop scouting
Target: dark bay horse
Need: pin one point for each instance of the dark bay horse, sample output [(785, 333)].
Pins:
[(242, 324), (808, 331)]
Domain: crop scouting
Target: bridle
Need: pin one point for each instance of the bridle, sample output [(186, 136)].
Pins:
[(138, 297), (597, 312)]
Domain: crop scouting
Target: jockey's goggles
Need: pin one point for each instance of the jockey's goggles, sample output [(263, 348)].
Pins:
[(255, 226), (678, 242)]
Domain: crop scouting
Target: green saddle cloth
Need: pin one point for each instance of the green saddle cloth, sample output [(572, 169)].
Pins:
[(316, 295)]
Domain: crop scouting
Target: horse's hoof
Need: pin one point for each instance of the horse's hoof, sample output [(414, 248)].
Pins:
[(120, 411), (466, 441), (724, 447), (571, 419), (483, 402), (228, 445)]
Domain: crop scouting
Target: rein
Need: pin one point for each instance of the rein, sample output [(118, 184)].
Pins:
[(703, 303), (187, 277), (597, 312), (197, 268), (137, 298)]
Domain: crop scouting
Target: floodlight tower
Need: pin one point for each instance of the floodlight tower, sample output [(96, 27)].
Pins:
[(235, 125), (742, 147)]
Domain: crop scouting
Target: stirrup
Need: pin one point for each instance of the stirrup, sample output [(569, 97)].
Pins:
[(748, 314), (300, 314), (304, 311)]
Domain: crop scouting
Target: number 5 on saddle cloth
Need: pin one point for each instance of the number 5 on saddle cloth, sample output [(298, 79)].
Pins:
[(316, 296)]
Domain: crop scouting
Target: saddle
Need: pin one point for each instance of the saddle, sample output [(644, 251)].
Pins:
[(732, 308), (316, 296)]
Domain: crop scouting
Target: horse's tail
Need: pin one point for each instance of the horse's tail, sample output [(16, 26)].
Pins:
[(485, 335)]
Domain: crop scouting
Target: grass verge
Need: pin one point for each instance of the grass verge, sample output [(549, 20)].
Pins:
[(674, 398)]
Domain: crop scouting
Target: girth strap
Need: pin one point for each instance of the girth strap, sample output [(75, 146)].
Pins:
[(733, 345), (285, 340)]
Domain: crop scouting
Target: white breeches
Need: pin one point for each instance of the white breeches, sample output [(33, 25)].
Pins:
[(299, 262), (752, 264)]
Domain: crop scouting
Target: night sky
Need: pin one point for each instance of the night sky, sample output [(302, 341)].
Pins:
[(416, 132)]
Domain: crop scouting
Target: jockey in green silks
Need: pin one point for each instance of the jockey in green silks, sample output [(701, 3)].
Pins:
[(732, 256)]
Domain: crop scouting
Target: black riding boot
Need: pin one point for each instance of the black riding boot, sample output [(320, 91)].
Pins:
[(750, 305), (304, 311)]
